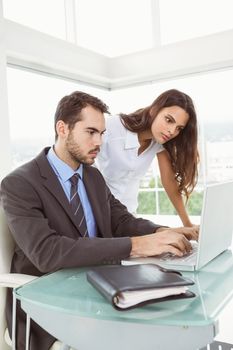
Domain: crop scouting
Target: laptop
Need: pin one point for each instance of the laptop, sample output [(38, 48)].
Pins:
[(215, 235)]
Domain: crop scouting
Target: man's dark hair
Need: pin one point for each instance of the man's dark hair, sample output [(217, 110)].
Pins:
[(69, 108)]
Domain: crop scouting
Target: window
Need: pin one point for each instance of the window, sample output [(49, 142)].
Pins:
[(47, 16), (32, 109), (114, 28), (212, 97), (109, 27), (31, 120), (182, 20)]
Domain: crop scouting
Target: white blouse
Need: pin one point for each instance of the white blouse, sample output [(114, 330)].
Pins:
[(120, 163)]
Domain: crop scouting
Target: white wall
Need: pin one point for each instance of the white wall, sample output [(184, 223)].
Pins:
[(29, 48), (209, 53), (5, 154)]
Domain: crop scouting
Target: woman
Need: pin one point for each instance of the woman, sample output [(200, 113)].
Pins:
[(167, 128)]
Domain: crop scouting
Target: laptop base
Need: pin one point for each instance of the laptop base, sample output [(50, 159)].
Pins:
[(153, 260)]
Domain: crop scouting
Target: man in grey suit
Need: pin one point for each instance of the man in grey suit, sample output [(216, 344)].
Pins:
[(57, 225)]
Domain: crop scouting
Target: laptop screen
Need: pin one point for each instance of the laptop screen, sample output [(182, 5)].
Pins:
[(216, 225)]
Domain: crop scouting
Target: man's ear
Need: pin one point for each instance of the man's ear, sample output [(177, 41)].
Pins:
[(62, 129)]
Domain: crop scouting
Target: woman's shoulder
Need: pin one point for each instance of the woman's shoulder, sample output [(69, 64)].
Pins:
[(114, 126), (112, 120)]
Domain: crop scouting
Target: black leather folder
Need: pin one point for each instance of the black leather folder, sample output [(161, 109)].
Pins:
[(130, 286)]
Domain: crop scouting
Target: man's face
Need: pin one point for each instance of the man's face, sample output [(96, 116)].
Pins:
[(82, 143)]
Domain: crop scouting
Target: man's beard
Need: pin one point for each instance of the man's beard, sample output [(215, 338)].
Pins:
[(75, 153)]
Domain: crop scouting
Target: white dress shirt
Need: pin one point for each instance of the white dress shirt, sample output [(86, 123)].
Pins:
[(120, 163)]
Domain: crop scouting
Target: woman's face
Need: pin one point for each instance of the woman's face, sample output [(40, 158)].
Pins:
[(169, 122)]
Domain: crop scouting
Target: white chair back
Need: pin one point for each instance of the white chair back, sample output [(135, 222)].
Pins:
[(6, 244), (6, 253)]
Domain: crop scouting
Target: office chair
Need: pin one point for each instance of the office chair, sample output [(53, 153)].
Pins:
[(11, 280), (217, 345)]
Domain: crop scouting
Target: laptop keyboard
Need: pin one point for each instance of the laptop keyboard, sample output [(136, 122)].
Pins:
[(188, 257)]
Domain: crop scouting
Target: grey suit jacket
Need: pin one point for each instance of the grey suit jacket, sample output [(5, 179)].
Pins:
[(46, 233)]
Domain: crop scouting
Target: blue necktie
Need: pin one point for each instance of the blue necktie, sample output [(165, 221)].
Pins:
[(76, 205)]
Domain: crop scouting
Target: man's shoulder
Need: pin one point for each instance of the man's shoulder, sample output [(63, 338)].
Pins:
[(92, 174), (27, 169), (22, 170), (92, 170)]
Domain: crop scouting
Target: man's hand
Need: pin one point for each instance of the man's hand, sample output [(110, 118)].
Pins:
[(172, 240), (191, 233)]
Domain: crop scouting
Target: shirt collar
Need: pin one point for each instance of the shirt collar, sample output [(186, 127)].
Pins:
[(63, 170), (131, 140)]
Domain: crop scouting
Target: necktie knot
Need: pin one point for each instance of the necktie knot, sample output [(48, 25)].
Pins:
[(74, 179)]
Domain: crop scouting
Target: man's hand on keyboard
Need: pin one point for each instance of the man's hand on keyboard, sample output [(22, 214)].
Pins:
[(191, 233), (165, 240)]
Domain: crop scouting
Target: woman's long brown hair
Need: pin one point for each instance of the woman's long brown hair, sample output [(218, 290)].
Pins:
[(183, 148)]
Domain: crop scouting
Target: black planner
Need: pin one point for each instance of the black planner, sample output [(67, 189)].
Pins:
[(130, 286)]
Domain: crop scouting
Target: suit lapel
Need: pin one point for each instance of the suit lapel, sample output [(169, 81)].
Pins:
[(51, 182), (95, 192)]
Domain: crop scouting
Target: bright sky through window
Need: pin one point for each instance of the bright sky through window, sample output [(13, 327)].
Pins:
[(182, 19), (46, 16)]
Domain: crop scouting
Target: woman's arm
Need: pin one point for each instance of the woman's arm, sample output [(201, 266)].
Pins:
[(171, 187)]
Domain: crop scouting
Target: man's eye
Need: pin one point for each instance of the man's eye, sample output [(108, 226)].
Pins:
[(168, 119), (91, 132)]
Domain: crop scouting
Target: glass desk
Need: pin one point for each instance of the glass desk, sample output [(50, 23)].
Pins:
[(69, 308)]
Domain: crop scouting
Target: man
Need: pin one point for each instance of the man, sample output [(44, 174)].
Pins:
[(62, 214)]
